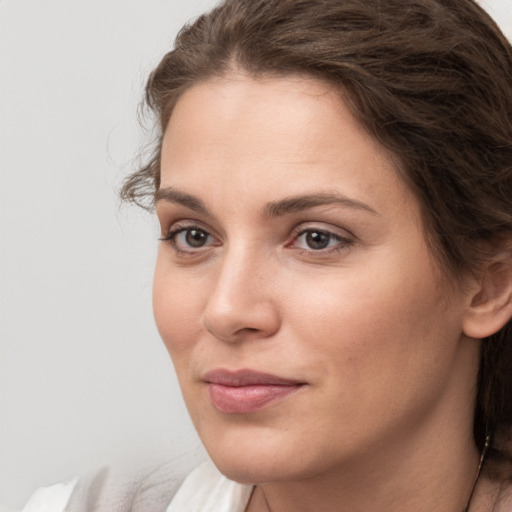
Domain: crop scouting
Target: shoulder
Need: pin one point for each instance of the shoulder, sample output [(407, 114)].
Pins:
[(160, 489), (492, 495), (504, 501), (111, 489)]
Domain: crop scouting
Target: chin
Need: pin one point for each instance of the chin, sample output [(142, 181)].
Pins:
[(248, 471), (264, 459)]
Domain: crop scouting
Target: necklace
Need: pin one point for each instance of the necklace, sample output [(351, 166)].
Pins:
[(481, 463)]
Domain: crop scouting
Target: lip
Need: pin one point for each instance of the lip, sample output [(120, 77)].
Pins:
[(245, 391)]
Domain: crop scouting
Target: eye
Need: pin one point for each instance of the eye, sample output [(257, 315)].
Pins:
[(316, 240), (189, 239), (192, 237), (319, 240)]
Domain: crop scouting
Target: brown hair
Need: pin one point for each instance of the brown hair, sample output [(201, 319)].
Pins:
[(430, 79)]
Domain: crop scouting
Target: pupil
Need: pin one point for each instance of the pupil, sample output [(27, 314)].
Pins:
[(196, 237), (317, 240)]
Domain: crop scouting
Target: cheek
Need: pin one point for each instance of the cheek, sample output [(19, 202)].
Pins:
[(176, 309), (373, 323), (378, 353)]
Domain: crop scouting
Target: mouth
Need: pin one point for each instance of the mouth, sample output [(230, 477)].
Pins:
[(245, 391)]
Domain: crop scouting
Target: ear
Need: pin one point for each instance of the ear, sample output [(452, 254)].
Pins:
[(491, 300)]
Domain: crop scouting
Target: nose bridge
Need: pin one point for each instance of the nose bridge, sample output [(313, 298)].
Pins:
[(241, 300)]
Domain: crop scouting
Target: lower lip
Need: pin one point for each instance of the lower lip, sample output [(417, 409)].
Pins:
[(245, 399)]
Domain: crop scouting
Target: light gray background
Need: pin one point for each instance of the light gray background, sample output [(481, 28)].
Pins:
[(84, 378)]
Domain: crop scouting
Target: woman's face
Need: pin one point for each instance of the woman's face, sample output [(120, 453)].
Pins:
[(306, 319)]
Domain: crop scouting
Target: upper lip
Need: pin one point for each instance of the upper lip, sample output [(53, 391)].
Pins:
[(246, 377)]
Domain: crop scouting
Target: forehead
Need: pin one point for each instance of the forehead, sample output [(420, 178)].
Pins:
[(258, 134), (267, 106)]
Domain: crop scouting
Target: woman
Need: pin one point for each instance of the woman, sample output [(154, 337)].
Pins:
[(333, 182)]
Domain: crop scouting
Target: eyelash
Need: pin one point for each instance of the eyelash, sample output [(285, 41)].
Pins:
[(171, 238), (342, 243)]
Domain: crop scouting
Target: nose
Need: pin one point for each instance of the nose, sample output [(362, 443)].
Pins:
[(243, 303)]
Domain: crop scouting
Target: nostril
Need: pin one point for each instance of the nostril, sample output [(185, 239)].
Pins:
[(247, 330)]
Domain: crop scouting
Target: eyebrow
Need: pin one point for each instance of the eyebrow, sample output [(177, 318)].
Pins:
[(272, 209), (305, 202), (171, 195)]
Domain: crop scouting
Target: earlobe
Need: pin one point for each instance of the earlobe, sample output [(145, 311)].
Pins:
[(491, 304)]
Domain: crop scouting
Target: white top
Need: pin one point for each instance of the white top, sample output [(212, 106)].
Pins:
[(51, 499), (207, 490), (204, 490)]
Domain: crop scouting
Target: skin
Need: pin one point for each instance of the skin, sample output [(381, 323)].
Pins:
[(368, 323)]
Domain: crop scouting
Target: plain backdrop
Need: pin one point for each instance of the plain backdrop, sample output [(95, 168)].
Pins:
[(84, 378)]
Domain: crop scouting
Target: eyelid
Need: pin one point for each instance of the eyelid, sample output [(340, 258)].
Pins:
[(322, 227), (344, 237), (181, 226)]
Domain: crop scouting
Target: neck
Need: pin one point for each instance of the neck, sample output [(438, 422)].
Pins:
[(417, 473)]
